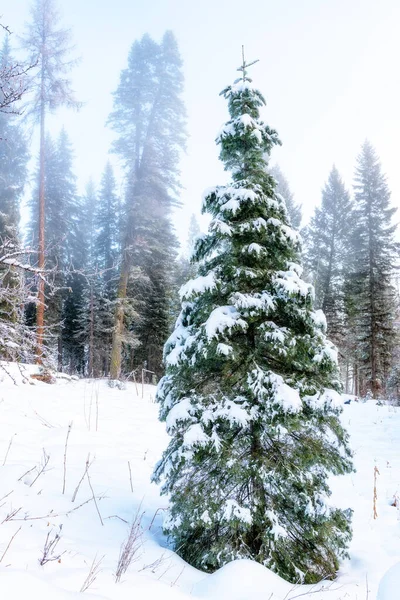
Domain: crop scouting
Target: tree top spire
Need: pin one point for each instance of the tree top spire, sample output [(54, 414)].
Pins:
[(243, 68)]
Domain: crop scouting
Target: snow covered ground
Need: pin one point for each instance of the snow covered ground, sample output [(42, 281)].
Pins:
[(119, 433)]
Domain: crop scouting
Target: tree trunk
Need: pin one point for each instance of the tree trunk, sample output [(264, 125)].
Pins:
[(116, 350), (60, 352), (373, 344), (91, 337), (355, 379), (41, 299)]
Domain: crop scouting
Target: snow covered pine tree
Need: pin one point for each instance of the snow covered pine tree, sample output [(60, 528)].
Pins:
[(250, 396)]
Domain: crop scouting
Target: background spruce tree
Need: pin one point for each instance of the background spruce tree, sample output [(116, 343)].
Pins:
[(283, 188), (250, 396), (327, 255), (149, 119), (104, 275), (372, 296)]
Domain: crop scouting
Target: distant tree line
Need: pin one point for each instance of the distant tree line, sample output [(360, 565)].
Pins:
[(104, 295)]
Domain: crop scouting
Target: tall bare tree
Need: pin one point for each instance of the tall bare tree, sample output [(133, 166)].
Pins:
[(50, 49)]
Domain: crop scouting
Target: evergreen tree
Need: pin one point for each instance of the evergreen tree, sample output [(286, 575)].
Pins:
[(100, 297), (283, 188), (326, 254), (373, 296), (149, 119), (251, 391), (89, 210), (73, 254)]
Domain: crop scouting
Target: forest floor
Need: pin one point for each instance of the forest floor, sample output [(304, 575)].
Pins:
[(47, 517)]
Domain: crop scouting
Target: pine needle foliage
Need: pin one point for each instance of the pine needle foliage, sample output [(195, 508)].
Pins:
[(250, 396)]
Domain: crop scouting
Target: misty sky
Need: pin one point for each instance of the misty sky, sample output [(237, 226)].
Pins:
[(328, 69)]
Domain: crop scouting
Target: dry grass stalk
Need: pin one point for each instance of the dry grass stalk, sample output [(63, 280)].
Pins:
[(9, 544), (97, 408), (65, 457), (6, 496), (131, 546), (178, 576), (376, 472), (49, 515), (45, 462), (8, 449), (154, 566), (26, 473), (94, 497), (130, 475), (87, 466), (154, 516), (11, 515), (93, 573)]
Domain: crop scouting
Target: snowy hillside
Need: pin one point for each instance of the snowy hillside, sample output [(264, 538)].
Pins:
[(117, 433)]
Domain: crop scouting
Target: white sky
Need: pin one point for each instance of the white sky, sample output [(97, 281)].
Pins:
[(329, 70)]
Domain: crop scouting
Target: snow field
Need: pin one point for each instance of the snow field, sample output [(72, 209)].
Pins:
[(116, 427)]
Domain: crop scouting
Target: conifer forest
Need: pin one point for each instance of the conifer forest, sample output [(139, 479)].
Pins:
[(251, 315)]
